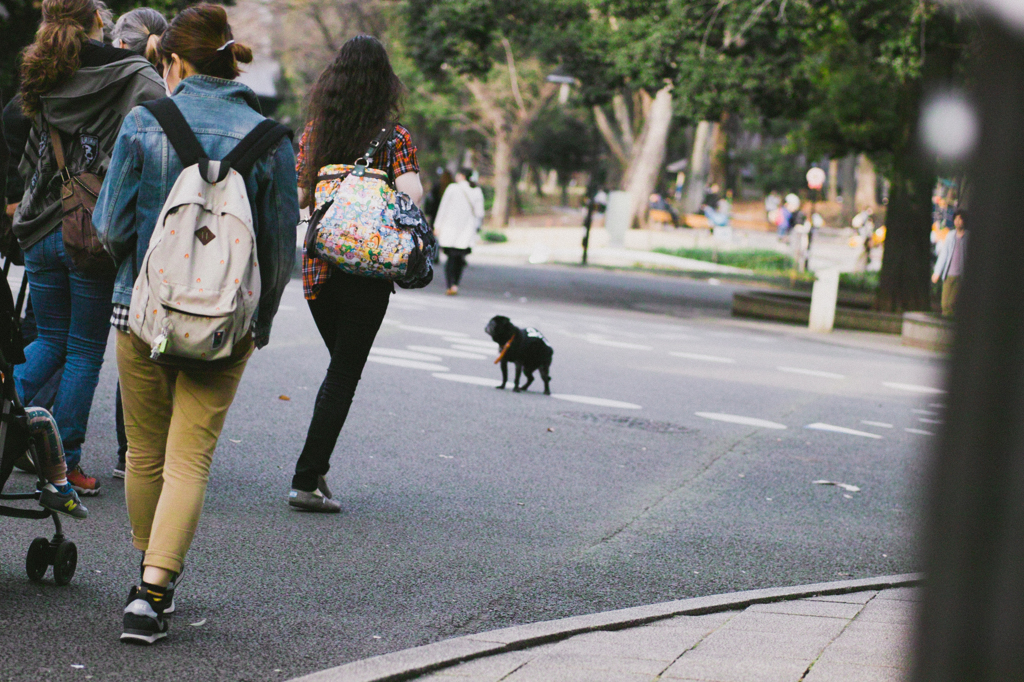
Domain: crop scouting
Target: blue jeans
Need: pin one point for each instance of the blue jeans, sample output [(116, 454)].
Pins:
[(73, 317)]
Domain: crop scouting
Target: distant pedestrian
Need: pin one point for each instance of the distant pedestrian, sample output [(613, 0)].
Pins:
[(175, 406), (458, 219), (432, 202), (354, 98), (75, 91), (949, 268), (772, 202)]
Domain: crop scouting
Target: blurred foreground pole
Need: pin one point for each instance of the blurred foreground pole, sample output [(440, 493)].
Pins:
[(971, 625)]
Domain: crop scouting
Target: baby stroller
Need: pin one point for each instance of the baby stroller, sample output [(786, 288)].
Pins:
[(15, 442)]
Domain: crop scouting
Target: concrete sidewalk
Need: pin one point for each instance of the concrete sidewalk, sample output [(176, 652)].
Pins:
[(831, 632), (538, 245)]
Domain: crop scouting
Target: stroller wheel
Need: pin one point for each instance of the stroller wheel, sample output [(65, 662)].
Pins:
[(64, 562), (37, 560)]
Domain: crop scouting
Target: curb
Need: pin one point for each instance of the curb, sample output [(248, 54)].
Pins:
[(409, 663)]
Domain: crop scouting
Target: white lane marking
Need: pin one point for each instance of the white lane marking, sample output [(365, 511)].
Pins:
[(476, 349), (925, 420), (736, 419), (280, 307), (466, 379), (919, 432), (447, 352), (811, 372), (818, 426), (930, 413), (471, 342), (913, 388), (938, 406), (600, 402), (404, 354), (617, 344), (881, 425), (411, 364), (704, 358), (429, 330)]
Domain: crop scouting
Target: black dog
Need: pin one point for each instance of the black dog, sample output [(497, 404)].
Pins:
[(526, 348)]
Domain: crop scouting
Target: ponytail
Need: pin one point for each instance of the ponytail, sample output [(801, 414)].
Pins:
[(201, 35), (56, 52), (152, 52), (140, 31)]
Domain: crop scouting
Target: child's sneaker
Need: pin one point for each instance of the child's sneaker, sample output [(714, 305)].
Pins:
[(83, 485), (144, 620), (119, 469), (62, 499)]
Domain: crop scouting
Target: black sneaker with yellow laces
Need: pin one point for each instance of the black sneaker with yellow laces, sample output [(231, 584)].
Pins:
[(144, 619)]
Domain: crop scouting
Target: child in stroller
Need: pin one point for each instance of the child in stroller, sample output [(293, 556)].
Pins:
[(35, 432)]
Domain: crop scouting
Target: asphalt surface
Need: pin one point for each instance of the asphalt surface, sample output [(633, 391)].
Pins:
[(468, 509)]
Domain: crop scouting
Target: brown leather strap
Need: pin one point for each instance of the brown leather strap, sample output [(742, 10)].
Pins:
[(58, 147)]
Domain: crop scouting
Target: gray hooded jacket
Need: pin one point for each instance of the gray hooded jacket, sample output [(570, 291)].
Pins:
[(88, 110)]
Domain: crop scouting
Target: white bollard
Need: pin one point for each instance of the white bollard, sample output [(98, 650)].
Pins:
[(823, 300), (617, 218)]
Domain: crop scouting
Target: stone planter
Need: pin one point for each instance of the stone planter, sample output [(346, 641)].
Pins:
[(852, 312)]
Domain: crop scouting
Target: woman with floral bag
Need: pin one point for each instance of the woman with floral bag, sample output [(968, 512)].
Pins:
[(355, 98)]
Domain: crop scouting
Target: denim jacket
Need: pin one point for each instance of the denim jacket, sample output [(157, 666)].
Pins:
[(144, 168)]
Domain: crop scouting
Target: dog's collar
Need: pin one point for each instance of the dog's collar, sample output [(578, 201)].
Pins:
[(504, 350)]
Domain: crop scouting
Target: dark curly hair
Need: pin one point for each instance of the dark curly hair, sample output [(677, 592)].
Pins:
[(354, 97)]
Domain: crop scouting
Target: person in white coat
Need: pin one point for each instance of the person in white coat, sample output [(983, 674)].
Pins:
[(459, 218)]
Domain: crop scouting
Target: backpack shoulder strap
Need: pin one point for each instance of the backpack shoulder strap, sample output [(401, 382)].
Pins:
[(253, 146), (178, 132)]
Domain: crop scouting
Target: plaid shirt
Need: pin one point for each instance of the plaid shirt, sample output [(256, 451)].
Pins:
[(400, 158)]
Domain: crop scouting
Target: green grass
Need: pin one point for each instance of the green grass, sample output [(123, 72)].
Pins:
[(495, 237), (774, 264), (760, 260), (858, 281)]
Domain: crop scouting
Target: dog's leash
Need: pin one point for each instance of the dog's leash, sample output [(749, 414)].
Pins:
[(504, 350)]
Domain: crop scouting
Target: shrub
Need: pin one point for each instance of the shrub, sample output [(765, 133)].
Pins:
[(761, 260)]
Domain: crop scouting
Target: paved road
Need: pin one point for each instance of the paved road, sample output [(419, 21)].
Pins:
[(469, 509)]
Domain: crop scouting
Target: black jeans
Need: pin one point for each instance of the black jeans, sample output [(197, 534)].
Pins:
[(348, 311), (122, 437), (454, 265)]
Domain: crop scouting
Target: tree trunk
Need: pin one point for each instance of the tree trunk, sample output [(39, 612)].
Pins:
[(848, 181), (646, 166), (502, 180), (517, 199), (833, 180), (698, 174), (904, 283), (867, 185), (718, 167)]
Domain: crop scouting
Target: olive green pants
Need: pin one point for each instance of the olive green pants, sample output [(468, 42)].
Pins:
[(173, 418), (950, 290)]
